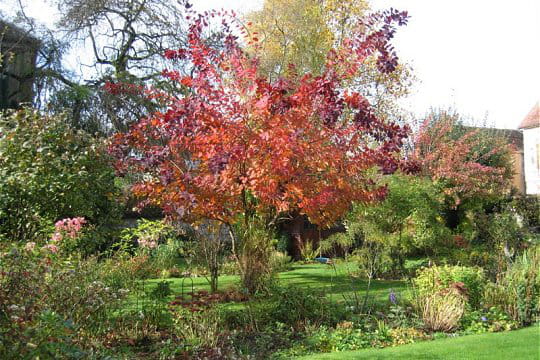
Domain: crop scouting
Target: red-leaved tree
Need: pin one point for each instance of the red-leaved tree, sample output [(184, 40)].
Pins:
[(468, 163), (238, 146)]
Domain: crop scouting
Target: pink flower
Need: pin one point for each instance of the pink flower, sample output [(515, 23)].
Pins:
[(69, 227), (30, 246), (51, 247), (56, 237)]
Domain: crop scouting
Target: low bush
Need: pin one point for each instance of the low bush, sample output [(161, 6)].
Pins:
[(517, 291), (50, 307), (469, 280), (492, 320), (280, 261), (299, 307)]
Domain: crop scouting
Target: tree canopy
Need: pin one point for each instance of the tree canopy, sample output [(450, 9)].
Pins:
[(240, 144)]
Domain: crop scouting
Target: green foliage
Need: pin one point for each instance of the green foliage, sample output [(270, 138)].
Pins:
[(308, 251), (159, 248), (49, 171), (470, 281), (344, 338), (299, 307), (350, 336), (47, 303), (154, 230), (408, 221), (519, 344), (492, 320), (199, 330), (517, 290), (280, 261), (529, 207), (161, 291), (254, 244)]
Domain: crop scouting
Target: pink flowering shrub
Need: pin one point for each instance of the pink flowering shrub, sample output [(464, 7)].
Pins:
[(70, 228), (67, 233)]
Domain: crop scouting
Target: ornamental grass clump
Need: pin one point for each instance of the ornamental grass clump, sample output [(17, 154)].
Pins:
[(442, 311)]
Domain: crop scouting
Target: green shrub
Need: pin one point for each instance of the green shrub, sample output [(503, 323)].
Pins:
[(51, 307), (492, 320), (517, 291), (280, 261), (529, 208), (433, 279), (49, 171), (199, 330)]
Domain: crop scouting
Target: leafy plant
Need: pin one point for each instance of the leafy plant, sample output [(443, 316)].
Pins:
[(492, 320), (299, 307), (468, 280), (517, 291), (42, 157)]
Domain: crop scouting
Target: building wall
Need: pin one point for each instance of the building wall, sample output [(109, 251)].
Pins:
[(17, 66), (531, 159), (518, 181)]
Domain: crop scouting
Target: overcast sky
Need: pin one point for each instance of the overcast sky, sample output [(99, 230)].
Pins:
[(481, 57)]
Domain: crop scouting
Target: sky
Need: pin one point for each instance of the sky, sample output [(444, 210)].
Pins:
[(479, 57)]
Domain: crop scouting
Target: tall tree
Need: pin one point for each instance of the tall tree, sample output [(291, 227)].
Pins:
[(127, 39), (239, 146), (301, 32), (122, 42)]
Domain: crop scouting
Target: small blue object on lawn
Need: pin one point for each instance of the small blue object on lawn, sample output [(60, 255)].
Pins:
[(323, 260)]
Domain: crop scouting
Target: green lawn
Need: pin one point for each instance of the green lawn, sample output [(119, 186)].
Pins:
[(334, 281), (516, 345)]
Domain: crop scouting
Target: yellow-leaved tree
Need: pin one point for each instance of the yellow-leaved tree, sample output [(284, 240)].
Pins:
[(301, 32)]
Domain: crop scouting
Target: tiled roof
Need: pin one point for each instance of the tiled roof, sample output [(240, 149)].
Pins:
[(532, 119)]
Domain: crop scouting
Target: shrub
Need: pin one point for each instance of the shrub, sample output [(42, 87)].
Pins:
[(492, 320), (48, 303), (49, 171), (436, 278), (199, 330), (253, 250), (407, 335), (280, 261), (517, 291), (529, 207)]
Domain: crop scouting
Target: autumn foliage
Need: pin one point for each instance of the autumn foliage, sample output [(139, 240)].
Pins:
[(237, 144), (469, 163)]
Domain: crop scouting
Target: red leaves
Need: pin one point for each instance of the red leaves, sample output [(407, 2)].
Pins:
[(240, 143), (186, 81), (119, 88), (353, 100), (465, 165)]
